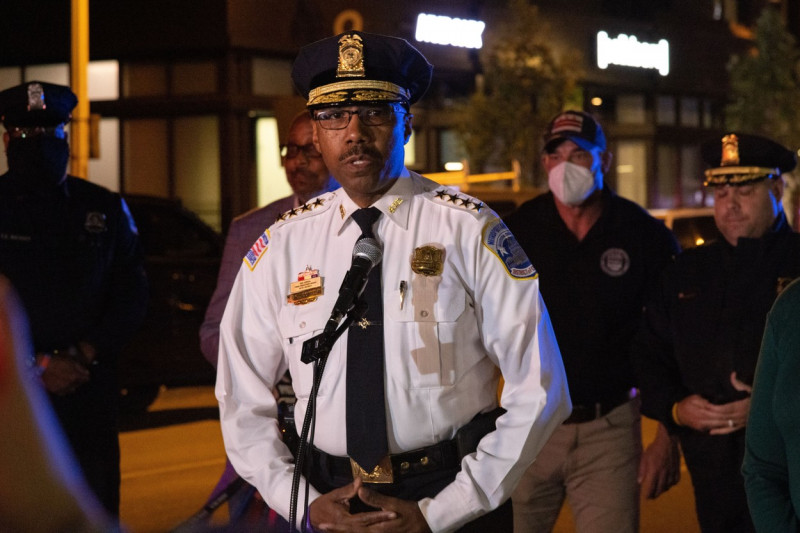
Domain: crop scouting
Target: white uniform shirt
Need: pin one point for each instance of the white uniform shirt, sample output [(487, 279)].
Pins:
[(444, 347)]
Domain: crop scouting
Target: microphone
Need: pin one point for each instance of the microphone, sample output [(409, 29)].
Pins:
[(366, 256)]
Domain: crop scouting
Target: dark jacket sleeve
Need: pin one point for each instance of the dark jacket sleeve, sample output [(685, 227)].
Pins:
[(127, 293), (657, 370)]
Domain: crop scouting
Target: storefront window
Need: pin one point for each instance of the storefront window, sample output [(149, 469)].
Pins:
[(690, 112), (197, 166), (665, 110), (272, 77), (679, 180), (667, 177), (194, 78), (104, 170), (691, 176), (451, 150), (631, 109), (632, 171), (271, 179), (146, 162), (144, 80), (708, 114)]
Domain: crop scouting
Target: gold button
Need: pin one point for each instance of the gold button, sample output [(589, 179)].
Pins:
[(404, 465), (423, 461)]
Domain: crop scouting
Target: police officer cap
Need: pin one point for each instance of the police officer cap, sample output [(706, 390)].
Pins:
[(360, 68), (576, 126), (37, 103), (739, 158)]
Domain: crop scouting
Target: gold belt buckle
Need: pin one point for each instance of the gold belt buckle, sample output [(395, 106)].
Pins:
[(382, 473)]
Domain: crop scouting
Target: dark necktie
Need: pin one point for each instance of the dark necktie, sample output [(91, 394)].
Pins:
[(366, 405)]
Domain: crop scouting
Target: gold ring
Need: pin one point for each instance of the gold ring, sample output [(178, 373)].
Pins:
[(730, 423)]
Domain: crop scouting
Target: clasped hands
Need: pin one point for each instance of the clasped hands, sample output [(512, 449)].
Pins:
[(330, 513), (63, 373), (699, 414)]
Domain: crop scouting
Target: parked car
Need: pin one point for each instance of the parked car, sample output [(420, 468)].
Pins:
[(692, 226), (182, 257)]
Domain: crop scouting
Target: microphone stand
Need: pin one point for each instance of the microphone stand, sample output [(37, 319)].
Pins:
[(316, 350)]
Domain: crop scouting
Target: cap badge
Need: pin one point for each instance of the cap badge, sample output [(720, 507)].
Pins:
[(730, 150), (428, 261), (351, 57), (36, 97)]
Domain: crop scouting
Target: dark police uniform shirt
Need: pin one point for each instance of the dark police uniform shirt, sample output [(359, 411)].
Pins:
[(73, 255), (594, 288), (707, 318)]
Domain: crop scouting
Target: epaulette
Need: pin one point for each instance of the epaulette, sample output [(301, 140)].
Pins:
[(318, 205), (458, 200)]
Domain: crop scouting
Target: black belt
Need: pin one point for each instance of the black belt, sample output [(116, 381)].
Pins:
[(441, 456), (589, 412)]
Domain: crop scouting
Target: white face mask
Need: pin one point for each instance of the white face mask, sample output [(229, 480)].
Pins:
[(572, 184)]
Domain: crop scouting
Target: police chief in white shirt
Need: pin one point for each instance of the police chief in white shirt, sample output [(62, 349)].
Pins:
[(461, 306)]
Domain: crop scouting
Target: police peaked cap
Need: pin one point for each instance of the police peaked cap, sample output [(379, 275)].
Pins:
[(37, 103), (739, 158), (357, 68)]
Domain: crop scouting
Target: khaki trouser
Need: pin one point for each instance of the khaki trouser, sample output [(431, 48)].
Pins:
[(595, 465)]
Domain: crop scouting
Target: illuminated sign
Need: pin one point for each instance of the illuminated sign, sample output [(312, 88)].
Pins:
[(629, 52), (438, 29)]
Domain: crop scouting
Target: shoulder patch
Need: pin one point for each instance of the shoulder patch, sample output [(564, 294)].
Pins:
[(456, 199), (500, 241), (256, 251)]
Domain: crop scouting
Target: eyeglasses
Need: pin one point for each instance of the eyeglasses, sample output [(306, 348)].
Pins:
[(290, 151), (338, 119)]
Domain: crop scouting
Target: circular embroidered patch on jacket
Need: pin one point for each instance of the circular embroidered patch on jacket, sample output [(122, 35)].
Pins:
[(615, 262), (498, 238)]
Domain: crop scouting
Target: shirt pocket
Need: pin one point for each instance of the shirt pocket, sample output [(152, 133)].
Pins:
[(426, 329), (297, 324)]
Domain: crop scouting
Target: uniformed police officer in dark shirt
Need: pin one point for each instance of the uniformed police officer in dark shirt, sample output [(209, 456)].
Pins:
[(705, 322), (71, 250)]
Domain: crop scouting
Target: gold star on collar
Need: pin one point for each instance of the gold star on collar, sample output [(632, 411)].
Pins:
[(318, 202), (441, 194), (305, 207), (477, 206), (293, 213), (453, 198)]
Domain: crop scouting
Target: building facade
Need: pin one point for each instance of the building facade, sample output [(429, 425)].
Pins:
[(194, 97)]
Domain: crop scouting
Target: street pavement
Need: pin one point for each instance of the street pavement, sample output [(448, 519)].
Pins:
[(173, 456)]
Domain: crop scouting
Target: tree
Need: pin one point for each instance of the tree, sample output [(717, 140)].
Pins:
[(766, 93), (523, 85), (764, 86)]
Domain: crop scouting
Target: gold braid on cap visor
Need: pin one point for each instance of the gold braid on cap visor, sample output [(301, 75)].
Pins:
[(738, 175), (357, 91)]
